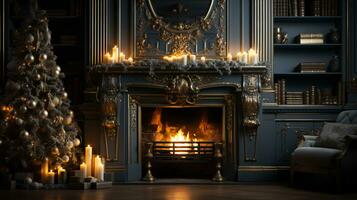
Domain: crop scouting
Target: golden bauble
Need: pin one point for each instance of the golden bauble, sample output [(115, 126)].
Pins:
[(55, 151), (37, 77), (69, 144), (30, 38), (44, 114), (76, 142), (64, 95), (23, 109), (55, 100), (42, 57), (65, 158), (24, 134), (58, 68), (31, 104), (67, 120), (29, 58)]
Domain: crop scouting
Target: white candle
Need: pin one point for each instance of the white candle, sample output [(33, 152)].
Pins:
[(88, 160), (193, 59), (252, 57), (100, 172), (83, 170), (203, 59), (239, 57), (107, 58), (130, 60), (51, 177), (170, 59), (115, 54), (229, 57), (44, 170), (121, 57), (61, 175), (97, 162), (244, 58), (184, 59)]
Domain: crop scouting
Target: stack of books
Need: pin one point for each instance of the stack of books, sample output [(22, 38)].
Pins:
[(324, 7), (289, 7), (310, 38), (308, 67), (280, 92), (281, 7), (294, 98)]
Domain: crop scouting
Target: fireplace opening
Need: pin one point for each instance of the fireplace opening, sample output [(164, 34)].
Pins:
[(183, 140)]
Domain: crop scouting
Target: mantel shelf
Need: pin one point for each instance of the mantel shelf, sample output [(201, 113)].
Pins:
[(307, 18)]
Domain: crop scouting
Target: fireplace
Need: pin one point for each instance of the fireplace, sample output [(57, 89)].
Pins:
[(183, 140)]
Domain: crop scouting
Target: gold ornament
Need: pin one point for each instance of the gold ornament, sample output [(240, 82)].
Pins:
[(30, 38), (29, 58), (55, 151), (31, 104), (24, 134), (58, 68), (69, 145), (64, 95), (55, 100), (76, 142), (71, 113), (43, 113), (65, 158), (19, 121), (23, 109), (37, 77), (42, 57), (68, 120)]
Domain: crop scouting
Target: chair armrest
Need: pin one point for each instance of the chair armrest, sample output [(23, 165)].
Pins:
[(307, 141)]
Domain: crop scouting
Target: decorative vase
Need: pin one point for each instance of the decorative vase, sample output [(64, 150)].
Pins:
[(334, 36), (279, 36)]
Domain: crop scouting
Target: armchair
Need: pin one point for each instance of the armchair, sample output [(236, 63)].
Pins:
[(334, 152)]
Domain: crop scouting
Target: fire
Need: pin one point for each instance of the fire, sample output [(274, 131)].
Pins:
[(180, 137)]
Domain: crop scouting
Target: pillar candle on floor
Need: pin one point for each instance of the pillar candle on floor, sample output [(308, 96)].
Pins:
[(51, 177), (83, 169), (88, 160), (44, 170)]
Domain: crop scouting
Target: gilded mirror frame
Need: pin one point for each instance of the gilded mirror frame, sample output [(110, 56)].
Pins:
[(154, 37)]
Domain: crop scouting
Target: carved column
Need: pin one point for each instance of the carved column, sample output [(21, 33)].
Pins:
[(251, 106), (110, 103)]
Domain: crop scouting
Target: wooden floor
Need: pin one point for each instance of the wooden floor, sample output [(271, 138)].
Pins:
[(178, 192)]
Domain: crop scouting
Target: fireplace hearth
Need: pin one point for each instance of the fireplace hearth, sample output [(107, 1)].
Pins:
[(179, 123)]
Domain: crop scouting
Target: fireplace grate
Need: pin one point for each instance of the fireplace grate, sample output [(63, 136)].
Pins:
[(183, 150)]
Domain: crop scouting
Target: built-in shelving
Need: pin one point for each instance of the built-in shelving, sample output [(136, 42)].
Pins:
[(304, 46), (306, 18)]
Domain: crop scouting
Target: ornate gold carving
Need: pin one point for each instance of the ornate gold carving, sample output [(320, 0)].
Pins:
[(251, 106), (110, 101), (181, 36)]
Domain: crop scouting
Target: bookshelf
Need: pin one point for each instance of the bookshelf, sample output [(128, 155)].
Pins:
[(66, 22), (323, 88)]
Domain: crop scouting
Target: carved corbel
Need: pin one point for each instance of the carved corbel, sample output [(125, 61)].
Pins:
[(110, 105), (251, 106)]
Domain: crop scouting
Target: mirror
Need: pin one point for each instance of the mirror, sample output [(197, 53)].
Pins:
[(176, 27), (181, 14)]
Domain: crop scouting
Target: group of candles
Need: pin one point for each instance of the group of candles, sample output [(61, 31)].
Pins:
[(92, 166), (116, 57), (245, 58), (49, 176)]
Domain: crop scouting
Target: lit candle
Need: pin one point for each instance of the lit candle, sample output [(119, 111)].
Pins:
[(203, 59), (244, 58), (184, 59), (229, 57), (62, 176), (170, 59), (239, 57), (97, 162), (44, 170), (107, 58), (252, 57), (165, 58), (88, 160), (83, 170), (115, 54), (112, 60), (121, 57), (51, 177), (130, 60), (100, 172), (193, 58)]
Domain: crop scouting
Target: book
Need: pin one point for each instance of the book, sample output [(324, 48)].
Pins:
[(293, 8), (277, 93), (315, 8), (306, 67), (283, 99), (301, 7)]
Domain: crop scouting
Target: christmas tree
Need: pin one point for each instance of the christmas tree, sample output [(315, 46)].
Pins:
[(37, 122)]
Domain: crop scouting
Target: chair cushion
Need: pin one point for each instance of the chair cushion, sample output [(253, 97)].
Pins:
[(333, 135), (315, 156), (347, 117)]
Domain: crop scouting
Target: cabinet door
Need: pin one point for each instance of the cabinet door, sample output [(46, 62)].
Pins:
[(287, 138)]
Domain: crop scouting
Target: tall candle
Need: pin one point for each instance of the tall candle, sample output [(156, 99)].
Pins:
[(88, 160), (97, 162), (239, 57), (107, 58), (130, 60), (83, 170), (244, 58), (229, 57), (100, 172), (193, 59), (116, 53), (62, 176), (121, 57), (51, 177), (44, 170), (184, 59), (252, 56)]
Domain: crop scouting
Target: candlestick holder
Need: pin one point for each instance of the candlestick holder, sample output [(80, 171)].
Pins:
[(218, 157), (149, 156)]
